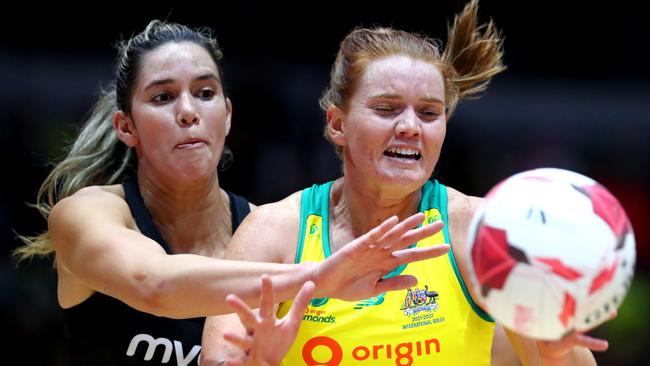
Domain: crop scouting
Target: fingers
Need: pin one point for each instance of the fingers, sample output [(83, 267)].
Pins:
[(400, 282), (394, 234), (417, 254), (415, 235), (267, 300), (594, 344), (397, 231), (245, 314), (559, 348), (294, 317), (374, 235), (399, 237), (243, 342)]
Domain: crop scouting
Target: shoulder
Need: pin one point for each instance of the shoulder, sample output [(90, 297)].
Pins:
[(93, 197), (460, 210), (461, 207), (238, 199), (97, 204), (280, 210), (272, 229), (112, 193)]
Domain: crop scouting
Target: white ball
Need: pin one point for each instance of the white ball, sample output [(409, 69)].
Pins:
[(551, 251)]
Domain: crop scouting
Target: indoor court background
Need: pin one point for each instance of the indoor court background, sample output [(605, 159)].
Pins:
[(576, 96)]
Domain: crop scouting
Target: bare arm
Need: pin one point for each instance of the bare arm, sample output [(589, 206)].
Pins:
[(503, 354), (99, 249)]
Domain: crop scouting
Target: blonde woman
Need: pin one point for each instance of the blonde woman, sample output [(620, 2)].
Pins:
[(387, 107)]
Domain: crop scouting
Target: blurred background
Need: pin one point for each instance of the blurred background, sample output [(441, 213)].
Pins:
[(576, 96)]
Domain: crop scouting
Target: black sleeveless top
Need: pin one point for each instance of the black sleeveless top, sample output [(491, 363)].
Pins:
[(105, 331)]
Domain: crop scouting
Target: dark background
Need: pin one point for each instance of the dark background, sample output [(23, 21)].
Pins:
[(576, 96)]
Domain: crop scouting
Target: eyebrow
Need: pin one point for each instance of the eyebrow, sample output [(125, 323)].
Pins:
[(396, 96), (158, 82)]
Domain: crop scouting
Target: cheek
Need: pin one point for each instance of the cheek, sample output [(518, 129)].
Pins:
[(370, 131), (217, 121), (155, 137), (437, 134), (150, 121)]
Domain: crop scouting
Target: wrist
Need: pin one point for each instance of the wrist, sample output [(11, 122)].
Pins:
[(576, 355), (311, 273)]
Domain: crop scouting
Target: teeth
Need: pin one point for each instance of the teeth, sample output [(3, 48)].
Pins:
[(403, 151)]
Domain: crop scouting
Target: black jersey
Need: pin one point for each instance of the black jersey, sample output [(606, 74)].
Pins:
[(105, 331)]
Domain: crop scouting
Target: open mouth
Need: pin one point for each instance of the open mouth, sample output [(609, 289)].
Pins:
[(403, 153)]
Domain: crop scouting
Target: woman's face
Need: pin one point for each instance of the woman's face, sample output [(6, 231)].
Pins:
[(180, 114), (395, 123)]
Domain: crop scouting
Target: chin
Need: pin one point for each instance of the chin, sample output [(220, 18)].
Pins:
[(405, 179), (193, 174)]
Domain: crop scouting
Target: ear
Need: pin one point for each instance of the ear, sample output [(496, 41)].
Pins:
[(229, 115), (125, 129), (336, 125)]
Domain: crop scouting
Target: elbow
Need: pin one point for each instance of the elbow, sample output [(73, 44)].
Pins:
[(151, 302), (152, 295)]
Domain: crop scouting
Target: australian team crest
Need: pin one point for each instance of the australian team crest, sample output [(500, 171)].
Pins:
[(418, 300)]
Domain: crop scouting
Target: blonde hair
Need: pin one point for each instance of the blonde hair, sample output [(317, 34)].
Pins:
[(98, 157), (472, 57)]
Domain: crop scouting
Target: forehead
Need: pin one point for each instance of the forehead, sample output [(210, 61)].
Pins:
[(402, 75), (173, 60)]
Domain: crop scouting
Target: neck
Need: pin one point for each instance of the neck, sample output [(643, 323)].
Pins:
[(190, 217), (362, 207)]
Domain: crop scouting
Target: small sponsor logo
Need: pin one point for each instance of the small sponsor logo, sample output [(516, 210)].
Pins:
[(313, 229), (167, 349), (316, 315), (434, 218), (319, 319), (319, 302)]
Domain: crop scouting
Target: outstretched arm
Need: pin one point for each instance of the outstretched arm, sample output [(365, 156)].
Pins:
[(99, 248)]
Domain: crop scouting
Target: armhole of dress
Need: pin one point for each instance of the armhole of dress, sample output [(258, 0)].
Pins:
[(239, 209), (304, 199), (452, 259), (324, 210)]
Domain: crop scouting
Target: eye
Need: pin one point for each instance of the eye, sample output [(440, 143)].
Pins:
[(384, 109), (206, 94), (429, 114), (161, 98)]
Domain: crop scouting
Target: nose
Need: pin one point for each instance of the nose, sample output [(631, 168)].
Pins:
[(408, 124), (187, 113)]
